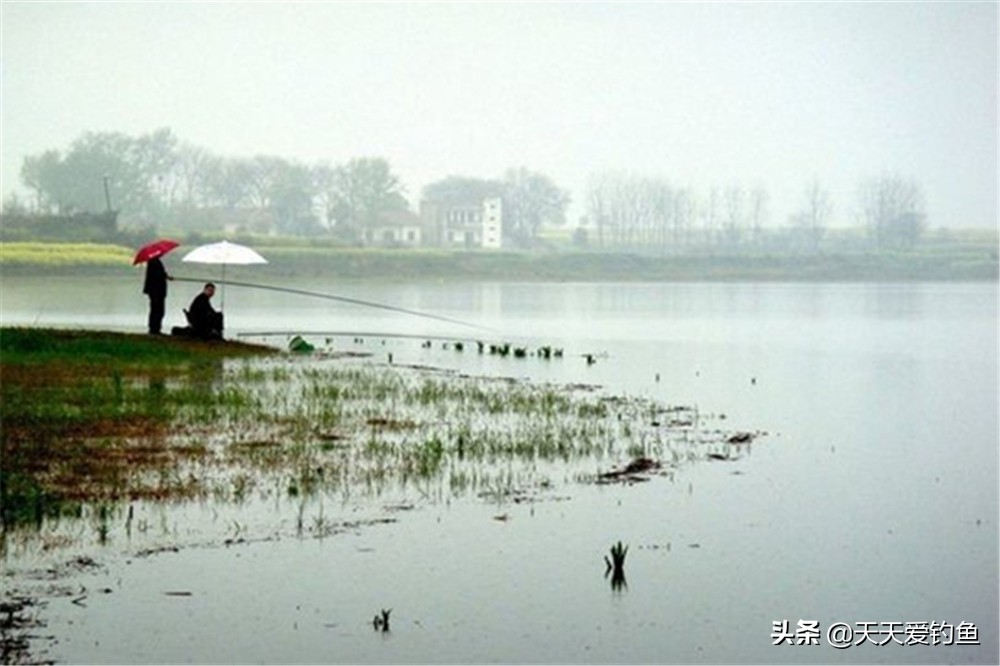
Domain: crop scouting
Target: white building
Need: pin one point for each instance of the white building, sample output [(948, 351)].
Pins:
[(474, 224), (492, 220)]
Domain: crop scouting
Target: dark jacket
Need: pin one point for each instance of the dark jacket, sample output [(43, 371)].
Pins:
[(156, 279), (202, 316)]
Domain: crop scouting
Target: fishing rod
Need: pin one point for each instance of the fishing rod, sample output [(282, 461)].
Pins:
[(348, 334), (334, 297)]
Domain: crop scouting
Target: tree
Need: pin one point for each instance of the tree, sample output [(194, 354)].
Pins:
[(291, 199), (758, 212), (638, 211), (189, 177), (893, 211), (13, 205), (153, 157), (134, 169), (226, 182), (92, 158), (323, 182), (360, 192), (460, 190), (811, 220), (733, 222), (261, 174), (710, 214), (683, 215), (41, 174), (599, 204), (531, 199)]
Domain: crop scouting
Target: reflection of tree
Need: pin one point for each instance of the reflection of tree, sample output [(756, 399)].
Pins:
[(618, 582)]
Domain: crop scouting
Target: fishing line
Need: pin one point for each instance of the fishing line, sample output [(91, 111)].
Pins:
[(333, 297), (347, 334)]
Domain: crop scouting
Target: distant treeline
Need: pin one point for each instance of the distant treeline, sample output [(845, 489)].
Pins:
[(76, 227), (163, 184)]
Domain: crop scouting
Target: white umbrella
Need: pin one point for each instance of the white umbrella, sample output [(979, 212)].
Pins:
[(224, 253)]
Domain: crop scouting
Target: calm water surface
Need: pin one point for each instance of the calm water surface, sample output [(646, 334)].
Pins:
[(872, 499)]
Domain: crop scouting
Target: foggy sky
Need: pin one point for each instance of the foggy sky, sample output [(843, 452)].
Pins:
[(749, 94)]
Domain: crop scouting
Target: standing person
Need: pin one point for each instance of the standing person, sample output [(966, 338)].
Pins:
[(156, 288)]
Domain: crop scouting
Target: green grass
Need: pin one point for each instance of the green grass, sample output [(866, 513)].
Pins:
[(80, 410), (25, 345)]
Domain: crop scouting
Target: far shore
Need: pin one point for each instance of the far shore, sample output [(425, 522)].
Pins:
[(976, 261)]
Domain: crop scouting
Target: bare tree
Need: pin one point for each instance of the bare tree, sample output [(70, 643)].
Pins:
[(732, 226), (893, 211), (683, 215), (710, 214), (599, 204), (758, 212), (812, 219)]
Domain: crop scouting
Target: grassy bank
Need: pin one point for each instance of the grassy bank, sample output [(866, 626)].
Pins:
[(69, 399), (966, 260)]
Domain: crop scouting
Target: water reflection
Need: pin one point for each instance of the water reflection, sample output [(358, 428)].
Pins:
[(616, 567), (618, 582)]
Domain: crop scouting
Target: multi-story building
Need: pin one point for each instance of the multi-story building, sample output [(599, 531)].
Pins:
[(475, 224)]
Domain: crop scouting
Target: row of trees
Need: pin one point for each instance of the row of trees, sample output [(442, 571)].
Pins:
[(639, 211), (157, 180)]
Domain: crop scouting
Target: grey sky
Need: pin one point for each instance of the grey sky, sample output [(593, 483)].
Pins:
[(754, 94)]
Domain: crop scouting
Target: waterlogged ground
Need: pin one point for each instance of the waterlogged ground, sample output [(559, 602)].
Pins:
[(306, 447)]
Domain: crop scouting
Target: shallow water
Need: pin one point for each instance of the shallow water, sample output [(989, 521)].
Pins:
[(873, 498)]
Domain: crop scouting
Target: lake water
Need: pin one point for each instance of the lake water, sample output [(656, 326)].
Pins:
[(872, 499)]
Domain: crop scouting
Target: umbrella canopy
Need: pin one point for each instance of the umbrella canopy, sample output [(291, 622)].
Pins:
[(224, 252), (153, 250)]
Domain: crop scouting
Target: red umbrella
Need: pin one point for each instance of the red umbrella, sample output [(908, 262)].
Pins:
[(154, 250)]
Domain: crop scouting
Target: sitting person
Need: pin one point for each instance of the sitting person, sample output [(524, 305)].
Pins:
[(205, 321)]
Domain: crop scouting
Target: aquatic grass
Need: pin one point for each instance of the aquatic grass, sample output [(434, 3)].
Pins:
[(234, 431)]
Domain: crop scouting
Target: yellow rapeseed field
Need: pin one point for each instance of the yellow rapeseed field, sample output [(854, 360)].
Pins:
[(65, 254)]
